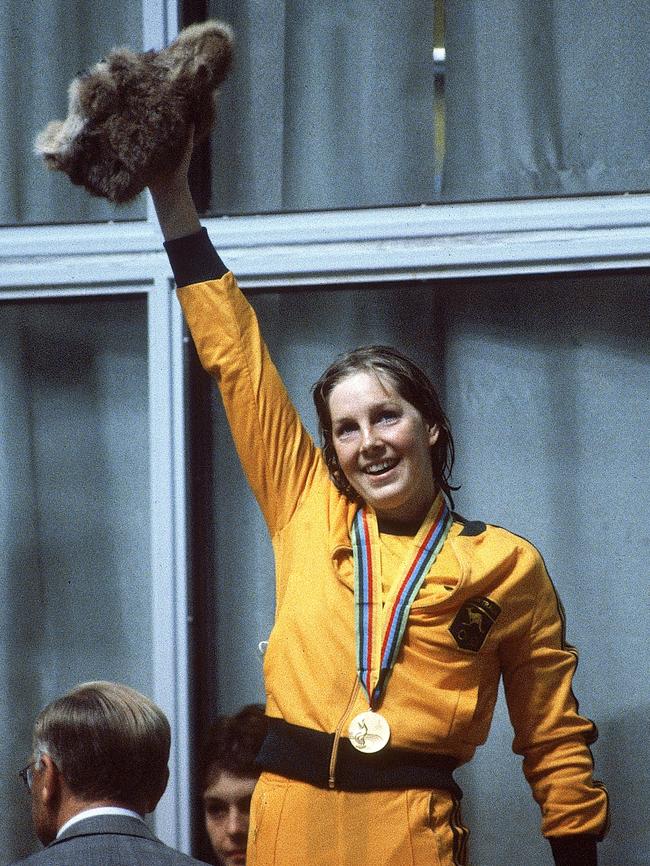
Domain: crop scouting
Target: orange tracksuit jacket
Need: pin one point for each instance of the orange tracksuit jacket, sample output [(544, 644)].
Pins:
[(442, 691)]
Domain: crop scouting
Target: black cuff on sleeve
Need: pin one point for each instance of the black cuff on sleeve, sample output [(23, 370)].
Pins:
[(577, 850), (194, 259)]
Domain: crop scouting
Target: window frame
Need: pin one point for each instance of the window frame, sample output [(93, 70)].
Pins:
[(376, 244), (325, 248)]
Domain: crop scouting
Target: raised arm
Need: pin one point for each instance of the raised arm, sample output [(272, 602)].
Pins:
[(173, 201), (276, 452)]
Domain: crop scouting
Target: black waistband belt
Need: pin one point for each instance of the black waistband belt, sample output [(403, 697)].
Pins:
[(302, 754)]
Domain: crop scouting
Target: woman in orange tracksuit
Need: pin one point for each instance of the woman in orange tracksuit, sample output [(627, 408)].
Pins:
[(395, 618)]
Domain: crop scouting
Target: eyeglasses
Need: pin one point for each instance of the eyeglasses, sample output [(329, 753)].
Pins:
[(27, 775)]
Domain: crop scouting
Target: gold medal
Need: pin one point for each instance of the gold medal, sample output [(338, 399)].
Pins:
[(369, 732)]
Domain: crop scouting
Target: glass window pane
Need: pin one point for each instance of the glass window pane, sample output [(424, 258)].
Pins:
[(545, 99), (43, 46), (367, 103), (328, 106), (74, 516)]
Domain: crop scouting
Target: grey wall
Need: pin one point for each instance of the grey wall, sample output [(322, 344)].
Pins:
[(547, 384)]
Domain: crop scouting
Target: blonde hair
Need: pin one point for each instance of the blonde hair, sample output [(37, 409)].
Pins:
[(108, 741)]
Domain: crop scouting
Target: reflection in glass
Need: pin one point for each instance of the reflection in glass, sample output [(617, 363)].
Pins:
[(43, 46), (74, 516)]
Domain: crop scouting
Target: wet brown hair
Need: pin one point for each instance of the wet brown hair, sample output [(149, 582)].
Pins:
[(411, 383)]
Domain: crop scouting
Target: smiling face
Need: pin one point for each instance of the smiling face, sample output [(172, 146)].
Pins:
[(226, 806), (382, 444)]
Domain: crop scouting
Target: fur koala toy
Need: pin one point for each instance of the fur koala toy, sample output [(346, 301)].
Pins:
[(129, 116)]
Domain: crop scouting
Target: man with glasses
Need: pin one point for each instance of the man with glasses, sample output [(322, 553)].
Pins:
[(99, 765)]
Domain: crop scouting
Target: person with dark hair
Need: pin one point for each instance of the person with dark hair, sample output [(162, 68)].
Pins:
[(98, 766), (228, 777), (396, 618)]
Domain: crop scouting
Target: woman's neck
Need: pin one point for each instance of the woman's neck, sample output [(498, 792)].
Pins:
[(405, 523), (390, 526)]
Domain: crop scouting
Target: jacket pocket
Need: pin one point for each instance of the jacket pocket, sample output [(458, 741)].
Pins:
[(464, 713)]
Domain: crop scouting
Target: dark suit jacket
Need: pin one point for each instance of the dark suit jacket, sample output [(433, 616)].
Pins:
[(109, 840)]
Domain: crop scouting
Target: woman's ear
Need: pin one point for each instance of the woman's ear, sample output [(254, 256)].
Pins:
[(434, 432)]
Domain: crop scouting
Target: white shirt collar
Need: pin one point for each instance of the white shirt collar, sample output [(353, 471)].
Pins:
[(98, 810)]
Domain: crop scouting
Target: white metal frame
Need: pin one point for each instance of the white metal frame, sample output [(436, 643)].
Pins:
[(281, 251), (437, 241), (378, 244)]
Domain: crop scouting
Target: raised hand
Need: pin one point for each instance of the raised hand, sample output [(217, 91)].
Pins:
[(175, 209)]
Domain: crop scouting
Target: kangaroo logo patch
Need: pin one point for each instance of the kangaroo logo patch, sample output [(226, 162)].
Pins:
[(473, 622)]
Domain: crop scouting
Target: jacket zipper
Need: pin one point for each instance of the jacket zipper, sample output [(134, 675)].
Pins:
[(337, 734)]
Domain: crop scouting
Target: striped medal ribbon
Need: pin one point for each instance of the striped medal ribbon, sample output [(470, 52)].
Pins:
[(380, 628)]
